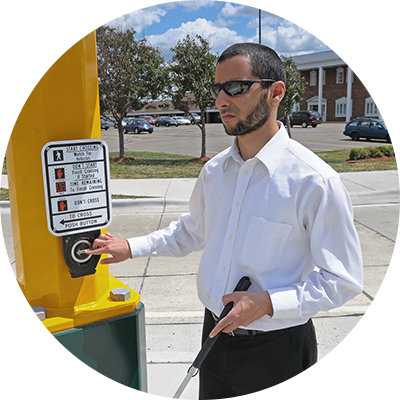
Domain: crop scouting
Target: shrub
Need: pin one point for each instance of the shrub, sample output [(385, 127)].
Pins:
[(374, 152), (359, 154), (387, 151)]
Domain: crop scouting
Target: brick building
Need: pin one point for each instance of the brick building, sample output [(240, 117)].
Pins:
[(333, 89)]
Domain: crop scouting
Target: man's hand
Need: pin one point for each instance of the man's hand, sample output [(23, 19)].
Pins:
[(248, 307), (108, 244)]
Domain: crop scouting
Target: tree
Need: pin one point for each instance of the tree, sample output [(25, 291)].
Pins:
[(130, 74), (295, 88), (192, 71)]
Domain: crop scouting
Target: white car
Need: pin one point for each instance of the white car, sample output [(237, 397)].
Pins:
[(182, 120), (2, 149)]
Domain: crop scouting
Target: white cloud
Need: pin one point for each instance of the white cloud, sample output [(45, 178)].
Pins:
[(382, 32), (306, 9), (220, 38), (287, 38)]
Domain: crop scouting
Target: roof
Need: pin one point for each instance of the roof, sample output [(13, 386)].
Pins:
[(323, 59)]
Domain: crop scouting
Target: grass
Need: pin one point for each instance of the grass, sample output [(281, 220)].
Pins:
[(337, 160), (148, 165)]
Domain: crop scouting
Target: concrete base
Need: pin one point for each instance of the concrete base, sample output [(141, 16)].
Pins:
[(102, 361)]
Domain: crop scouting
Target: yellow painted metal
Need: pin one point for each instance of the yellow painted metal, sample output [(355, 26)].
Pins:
[(63, 106)]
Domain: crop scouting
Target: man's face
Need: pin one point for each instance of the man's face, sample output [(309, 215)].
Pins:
[(244, 113)]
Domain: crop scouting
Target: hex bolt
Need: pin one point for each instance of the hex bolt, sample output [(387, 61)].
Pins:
[(120, 294), (11, 286), (35, 314)]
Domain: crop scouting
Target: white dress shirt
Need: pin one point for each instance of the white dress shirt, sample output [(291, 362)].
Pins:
[(283, 218)]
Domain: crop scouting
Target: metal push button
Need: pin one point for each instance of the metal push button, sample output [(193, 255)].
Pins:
[(78, 251)]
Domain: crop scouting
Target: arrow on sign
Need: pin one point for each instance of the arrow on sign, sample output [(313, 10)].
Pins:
[(79, 219)]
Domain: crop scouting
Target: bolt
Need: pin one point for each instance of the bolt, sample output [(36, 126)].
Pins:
[(120, 294), (11, 286), (35, 314)]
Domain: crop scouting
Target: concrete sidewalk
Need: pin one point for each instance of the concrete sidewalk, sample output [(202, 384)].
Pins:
[(168, 285)]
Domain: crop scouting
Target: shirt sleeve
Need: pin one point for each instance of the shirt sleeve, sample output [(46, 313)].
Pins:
[(180, 238), (327, 216)]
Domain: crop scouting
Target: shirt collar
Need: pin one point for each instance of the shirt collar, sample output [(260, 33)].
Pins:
[(269, 155)]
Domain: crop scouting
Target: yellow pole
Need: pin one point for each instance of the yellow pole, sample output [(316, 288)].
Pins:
[(63, 106)]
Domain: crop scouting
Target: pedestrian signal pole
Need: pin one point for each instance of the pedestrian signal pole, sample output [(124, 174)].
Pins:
[(73, 330)]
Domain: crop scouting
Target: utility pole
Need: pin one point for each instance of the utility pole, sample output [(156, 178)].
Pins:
[(259, 26)]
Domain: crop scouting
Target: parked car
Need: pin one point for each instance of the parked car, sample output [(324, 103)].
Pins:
[(105, 123), (368, 128), (167, 121), (2, 149), (138, 125), (150, 119), (196, 118), (304, 118), (182, 120)]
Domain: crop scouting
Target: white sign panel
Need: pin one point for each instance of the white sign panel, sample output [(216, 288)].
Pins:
[(77, 186)]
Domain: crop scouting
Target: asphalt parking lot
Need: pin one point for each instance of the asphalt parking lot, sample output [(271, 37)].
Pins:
[(186, 139)]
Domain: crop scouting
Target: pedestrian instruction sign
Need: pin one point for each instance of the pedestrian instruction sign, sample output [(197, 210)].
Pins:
[(77, 186)]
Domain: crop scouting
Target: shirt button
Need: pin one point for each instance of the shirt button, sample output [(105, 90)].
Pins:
[(237, 204), (215, 300), (245, 172), (223, 269), (230, 236)]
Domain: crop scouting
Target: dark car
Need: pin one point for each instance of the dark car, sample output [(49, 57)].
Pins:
[(368, 128), (304, 118), (138, 125), (167, 121)]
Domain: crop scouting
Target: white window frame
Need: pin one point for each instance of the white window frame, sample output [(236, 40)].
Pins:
[(341, 107), (313, 78), (396, 106), (339, 75), (371, 110), (370, 72), (397, 74)]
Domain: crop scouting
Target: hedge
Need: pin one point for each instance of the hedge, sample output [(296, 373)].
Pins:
[(371, 152)]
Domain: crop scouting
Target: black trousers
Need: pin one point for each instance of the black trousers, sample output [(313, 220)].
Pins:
[(246, 364)]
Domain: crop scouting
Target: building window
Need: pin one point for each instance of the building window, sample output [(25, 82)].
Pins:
[(340, 110), (370, 72), (313, 78), (341, 107), (339, 75), (323, 77), (371, 110)]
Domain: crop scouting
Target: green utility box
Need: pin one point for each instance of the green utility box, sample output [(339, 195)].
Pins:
[(101, 361)]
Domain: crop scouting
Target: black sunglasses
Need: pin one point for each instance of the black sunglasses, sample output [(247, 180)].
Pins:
[(235, 87)]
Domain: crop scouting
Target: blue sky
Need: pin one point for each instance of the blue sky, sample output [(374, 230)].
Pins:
[(223, 23)]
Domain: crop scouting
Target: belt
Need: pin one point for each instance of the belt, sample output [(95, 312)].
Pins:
[(239, 331)]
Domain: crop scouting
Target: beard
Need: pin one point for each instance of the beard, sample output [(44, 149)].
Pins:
[(253, 121)]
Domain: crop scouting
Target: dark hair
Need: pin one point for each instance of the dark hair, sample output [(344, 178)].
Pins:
[(265, 63)]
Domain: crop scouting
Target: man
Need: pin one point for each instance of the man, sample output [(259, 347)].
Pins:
[(266, 208)]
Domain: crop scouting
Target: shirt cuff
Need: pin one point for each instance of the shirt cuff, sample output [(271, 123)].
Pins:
[(285, 303), (140, 246)]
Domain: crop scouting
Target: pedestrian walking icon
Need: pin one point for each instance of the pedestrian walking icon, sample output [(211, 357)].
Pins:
[(58, 155)]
